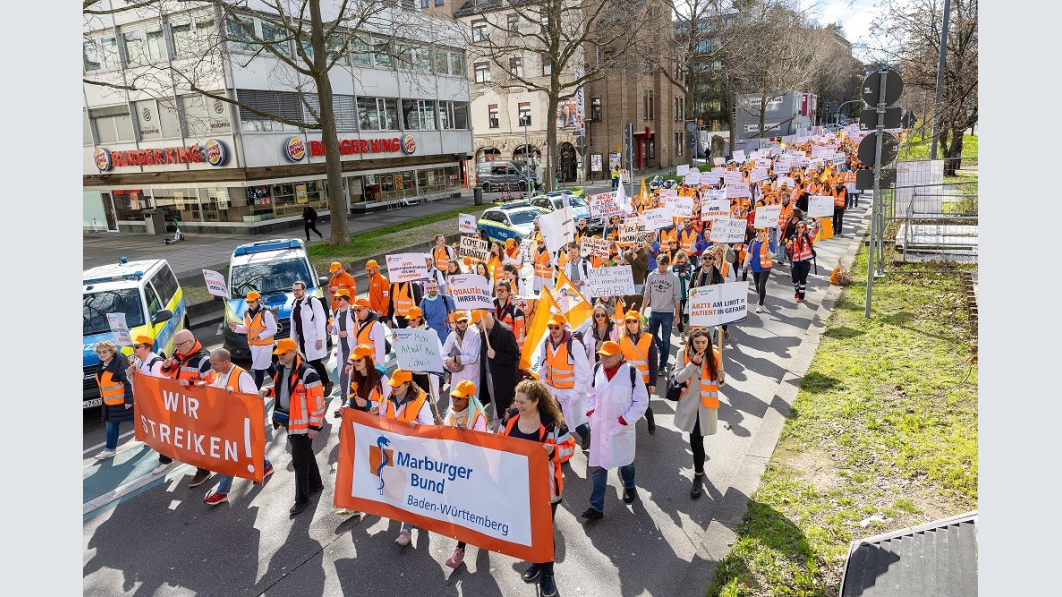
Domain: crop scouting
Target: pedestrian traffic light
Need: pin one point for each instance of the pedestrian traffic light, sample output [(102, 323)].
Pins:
[(879, 149)]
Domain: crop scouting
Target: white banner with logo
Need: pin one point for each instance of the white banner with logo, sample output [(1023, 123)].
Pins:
[(406, 267), (715, 209), (215, 284), (466, 224), (471, 291), (718, 304)]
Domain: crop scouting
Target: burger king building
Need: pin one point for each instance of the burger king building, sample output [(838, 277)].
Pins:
[(401, 106)]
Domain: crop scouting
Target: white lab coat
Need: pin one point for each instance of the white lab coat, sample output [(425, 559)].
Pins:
[(469, 350), (573, 401), (613, 443), (352, 339), (261, 356), (314, 328)]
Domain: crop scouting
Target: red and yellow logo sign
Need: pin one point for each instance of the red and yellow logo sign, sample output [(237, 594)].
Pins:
[(409, 144), (215, 152), (295, 149), (102, 157)]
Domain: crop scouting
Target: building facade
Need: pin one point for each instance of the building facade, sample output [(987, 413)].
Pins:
[(151, 143)]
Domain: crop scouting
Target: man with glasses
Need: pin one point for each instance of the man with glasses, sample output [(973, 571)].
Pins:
[(508, 312), (309, 325), (565, 370), (147, 362), (189, 366), (369, 330), (260, 325), (461, 352)]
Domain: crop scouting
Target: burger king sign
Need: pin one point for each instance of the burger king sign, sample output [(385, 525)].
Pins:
[(102, 158), (295, 149), (409, 144), (215, 152)]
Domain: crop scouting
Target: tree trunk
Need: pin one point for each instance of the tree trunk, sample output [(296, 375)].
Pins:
[(337, 204), (551, 139), (953, 153), (730, 120)]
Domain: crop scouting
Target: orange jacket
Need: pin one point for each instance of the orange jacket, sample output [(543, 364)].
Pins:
[(379, 294), (341, 280)]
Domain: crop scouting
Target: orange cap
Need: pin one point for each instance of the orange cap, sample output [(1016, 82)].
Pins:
[(610, 348), (464, 389), (362, 302), (459, 315), (360, 352), (254, 296), (558, 319), (510, 243), (415, 312), (284, 345), (145, 340), (632, 314), (399, 377), (343, 292), (335, 266), (476, 316), (371, 264)]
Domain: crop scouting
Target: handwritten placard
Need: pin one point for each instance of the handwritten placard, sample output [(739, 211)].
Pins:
[(629, 232), (668, 192), (683, 206), (611, 281), (418, 350), (471, 291), (692, 178), (473, 247), (718, 304), (604, 205), (733, 178), (119, 329), (661, 217), (405, 267), (682, 169), (739, 156), (594, 246), (820, 206), (728, 230), (758, 175), (767, 216), (718, 161)]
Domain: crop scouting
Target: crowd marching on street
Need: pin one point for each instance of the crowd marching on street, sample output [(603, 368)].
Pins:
[(589, 386)]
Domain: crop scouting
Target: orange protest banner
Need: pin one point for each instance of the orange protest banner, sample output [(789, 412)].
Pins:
[(488, 490), (212, 428)]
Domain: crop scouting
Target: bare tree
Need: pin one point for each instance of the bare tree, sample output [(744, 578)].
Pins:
[(908, 35), (579, 40)]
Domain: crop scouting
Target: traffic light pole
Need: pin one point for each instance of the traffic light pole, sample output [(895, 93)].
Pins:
[(875, 204)]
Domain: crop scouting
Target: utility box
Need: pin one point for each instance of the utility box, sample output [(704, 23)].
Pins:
[(155, 219)]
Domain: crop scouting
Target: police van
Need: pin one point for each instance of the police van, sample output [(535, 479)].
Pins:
[(147, 293), (269, 267)]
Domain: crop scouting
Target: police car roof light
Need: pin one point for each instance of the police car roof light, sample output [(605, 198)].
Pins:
[(267, 245), (123, 259), (133, 276)]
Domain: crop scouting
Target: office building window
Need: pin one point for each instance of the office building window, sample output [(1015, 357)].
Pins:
[(482, 72), (361, 53), (382, 52), (418, 115), (453, 115), (492, 116), (422, 58), (156, 45), (479, 31), (240, 32), (516, 67), (547, 65), (648, 109), (678, 143), (524, 113), (595, 109), (133, 44), (183, 39)]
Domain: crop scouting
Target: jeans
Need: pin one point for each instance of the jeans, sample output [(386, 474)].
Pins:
[(760, 279), (226, 481), (663, 342), (112, 436), (600, 478)]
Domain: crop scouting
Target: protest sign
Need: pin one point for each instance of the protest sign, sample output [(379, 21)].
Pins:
[(418, 350), (466, 224), (733, 178), (491, 491), (471, 246), (215, 284), (594, 246), (661, 217), (611, 281), (718, 161), (605, 205), (713, 194), (789, 182), (683, 206), (738, 190), (668, 192), (682, 169), (629, 233), (764, 163), (820, 206), (119, 329), (692, 178), (728, 230), (767, 216), (739, 156), (758, 174), (715, 209), (406, 267), (713, 177), (471, 291), (210, 428), (718, 304), (558, 228), (625, 176)]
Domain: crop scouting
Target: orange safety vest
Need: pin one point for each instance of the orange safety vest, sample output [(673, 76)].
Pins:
[(709, 387), (840, 197), (442, 257), (765, 256), (687, 240), (364, 334), (111, 390), (341, 281), (302, 413), (255, 327), (189, 373), (637, 355), (388, 408), (557, 487), (543, 269), (232, 384), (800, 247), (379, 292), (507, 314), (475, 416), (374, 396), (403, 299), (560, 368), (783, 217)]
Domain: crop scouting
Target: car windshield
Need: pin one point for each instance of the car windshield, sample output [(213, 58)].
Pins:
[(525, 216), (96, 305), (573, 200), (269, 276)]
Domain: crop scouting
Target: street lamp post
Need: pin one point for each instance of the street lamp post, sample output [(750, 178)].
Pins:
[(838, 114), (527, 155)]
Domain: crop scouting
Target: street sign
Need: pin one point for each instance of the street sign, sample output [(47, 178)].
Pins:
[(868, 118), (872, 87), (890, 147), (865, 179)]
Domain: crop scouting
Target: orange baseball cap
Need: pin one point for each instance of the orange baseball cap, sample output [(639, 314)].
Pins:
[(459, 315), (632, 314), (284, 345), (610, 348), (510, 243), (362, 302), (558, 319), (415, 312), (371, 264), (477, 314), (254, 296), (335, 266), (360, 352), (145, 340), (464, 389), (343, 292), (399, 377)]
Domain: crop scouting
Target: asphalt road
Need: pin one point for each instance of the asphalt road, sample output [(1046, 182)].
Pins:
[(157, 537)]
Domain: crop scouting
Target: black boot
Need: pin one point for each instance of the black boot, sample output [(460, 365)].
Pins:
[(650, 420), (698, 483)]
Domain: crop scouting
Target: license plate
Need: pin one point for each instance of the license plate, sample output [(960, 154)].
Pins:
[(91, 403)]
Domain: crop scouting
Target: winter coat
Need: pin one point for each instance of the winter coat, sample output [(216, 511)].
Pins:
[(118, 413)]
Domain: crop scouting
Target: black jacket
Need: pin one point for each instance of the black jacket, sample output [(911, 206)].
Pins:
[(309, 214), (504, 367), (118, 413)]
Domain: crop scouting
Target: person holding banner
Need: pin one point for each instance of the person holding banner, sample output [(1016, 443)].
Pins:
[(298, 407), (759, 259), (146, 362), (465, 412), (260, 325), (565, 370), (616, 399), (697, 411), (710, 273), (461, 351), (225, 375), (409, 404), (453, 268), (189, 365), (577, 269), (116, 392), (801, 252), (536, 417), (499, 363)]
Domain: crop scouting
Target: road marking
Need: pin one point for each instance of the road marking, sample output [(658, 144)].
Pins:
[(221, 326), (124, 490)]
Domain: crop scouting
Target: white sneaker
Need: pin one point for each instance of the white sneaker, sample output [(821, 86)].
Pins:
[(161, 467), (759, 308), (104, 455)]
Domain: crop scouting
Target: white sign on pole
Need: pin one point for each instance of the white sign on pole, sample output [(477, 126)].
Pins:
[(758, 174), (471, 291), (466, 224), (715, 209), (661, 217), (625, 176), (728, 230), (611, 281), (594, 246), (558, 228), (820, 206), (471, 246), (406, 267), (739, 156), (732, 178), (692, 178), (682, 169), (718, 304), (119, 329), (683, 206), (604, 205), (418, 350), (215, 283), (767, 216)]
